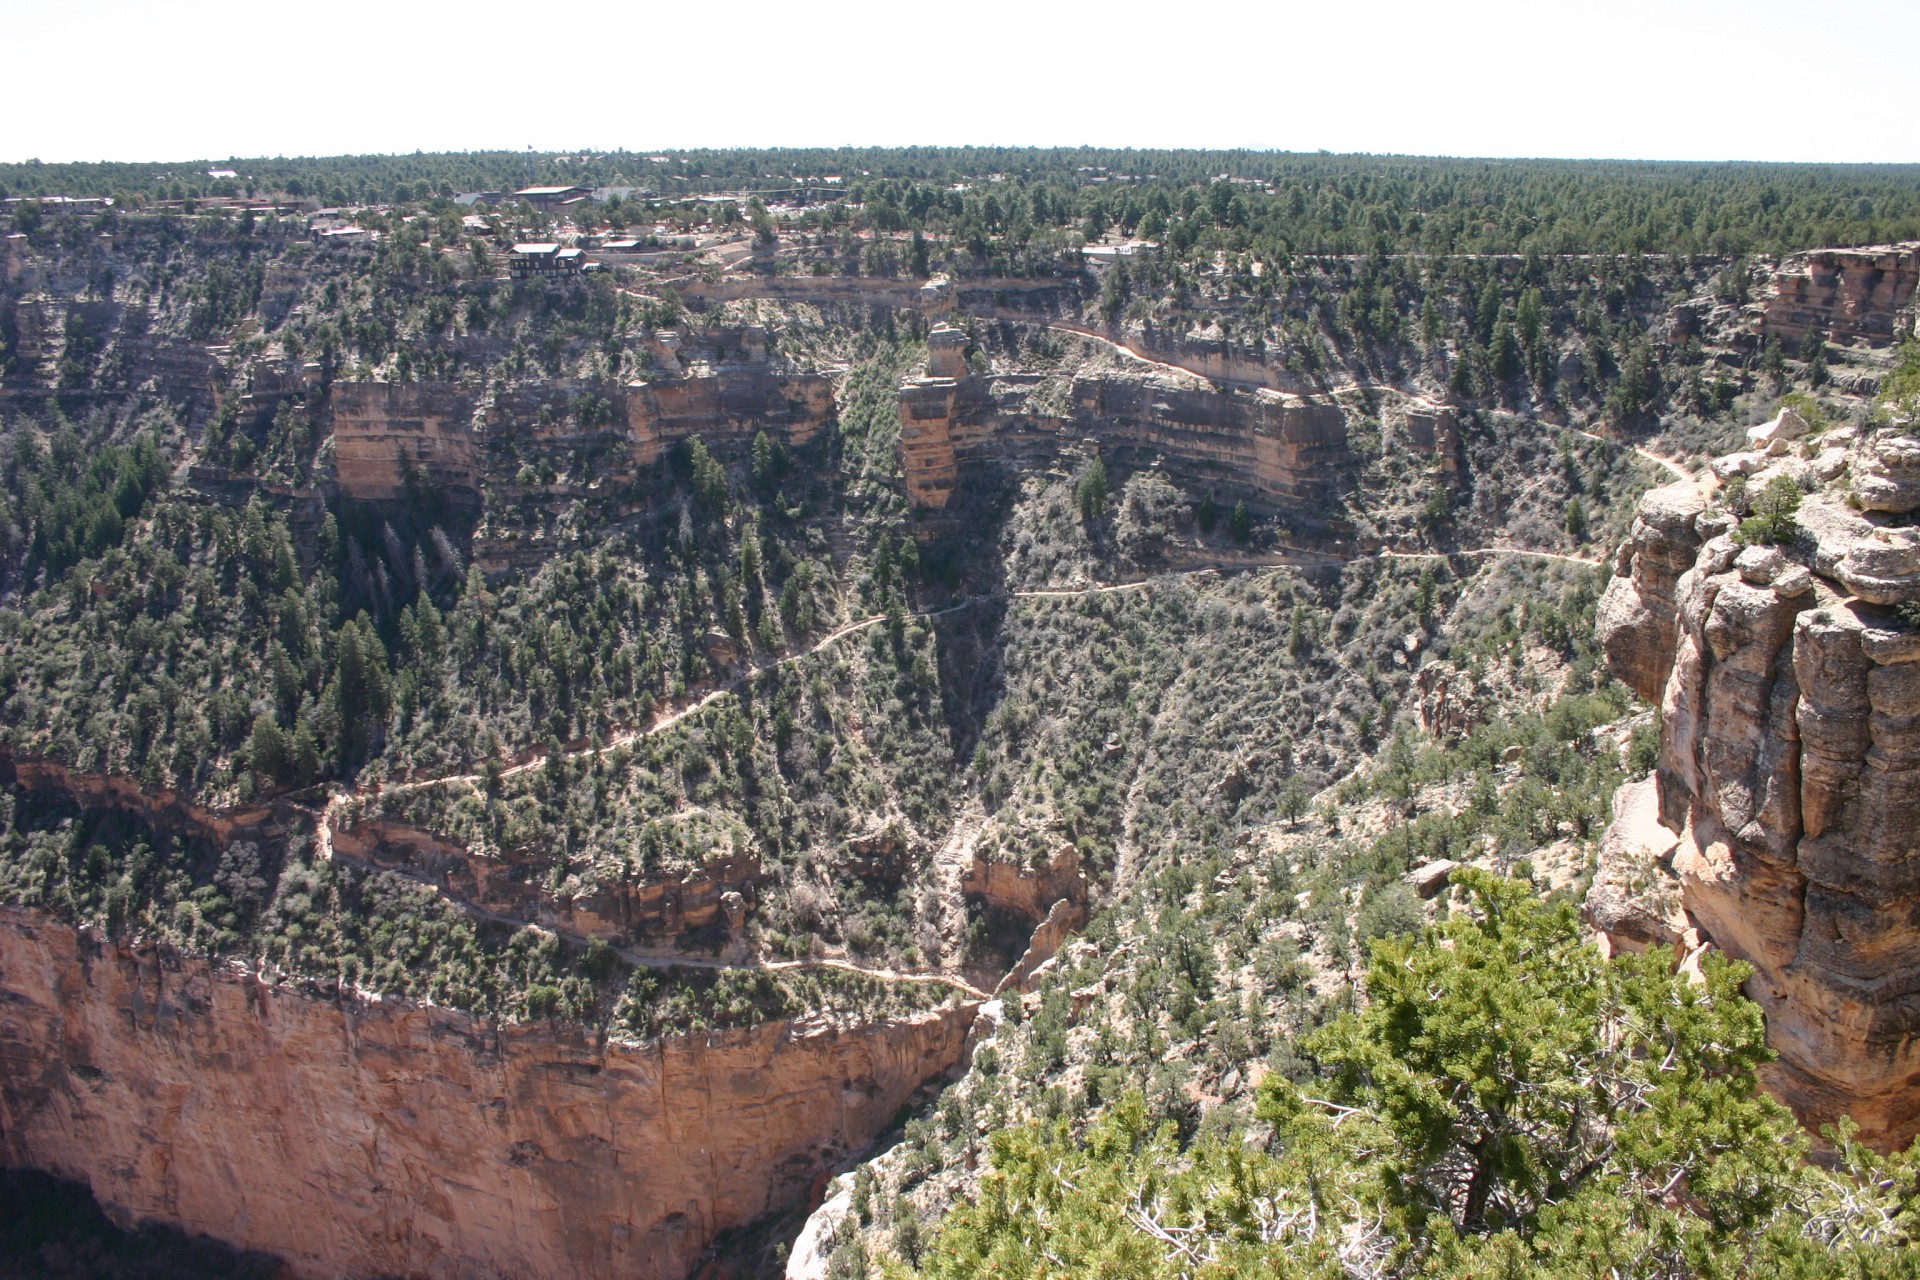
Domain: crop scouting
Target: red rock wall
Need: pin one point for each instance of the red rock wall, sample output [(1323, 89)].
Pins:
[(1847, 294), (363, 1137)]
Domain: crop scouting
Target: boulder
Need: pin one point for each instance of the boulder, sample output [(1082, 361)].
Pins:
[(1429, 878)]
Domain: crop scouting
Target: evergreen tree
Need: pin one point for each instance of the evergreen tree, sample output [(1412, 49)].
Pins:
[(1091, 492), (1240, 524)]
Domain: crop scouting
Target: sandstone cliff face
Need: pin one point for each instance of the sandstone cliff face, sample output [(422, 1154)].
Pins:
[(792, 407), (941, 418), (1271, 447), (1846, 294), (358, 1137), (1279, 448), (384, 432), (1788, 783)]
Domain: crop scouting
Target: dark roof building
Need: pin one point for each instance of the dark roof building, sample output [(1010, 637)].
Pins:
[(550, 197), (531, 260)]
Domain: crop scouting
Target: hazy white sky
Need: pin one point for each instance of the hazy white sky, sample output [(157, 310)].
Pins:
[(1684, 79)]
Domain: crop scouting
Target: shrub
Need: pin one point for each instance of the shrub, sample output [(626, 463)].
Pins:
[(1772, 523)]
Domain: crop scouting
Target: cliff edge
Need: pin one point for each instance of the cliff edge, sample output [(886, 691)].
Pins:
[(1782, 823)]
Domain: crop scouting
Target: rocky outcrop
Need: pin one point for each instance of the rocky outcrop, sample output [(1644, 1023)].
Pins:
[(159, 807), (791, 407), (1432, 430), (1269, 447), (1788, 783), (1030, 891), (649, 908), (387, 435), (1281, 449), (1063, 920), (1845, 294), (944, 415), (355, 1136), (1637, 620), (1449, 704)]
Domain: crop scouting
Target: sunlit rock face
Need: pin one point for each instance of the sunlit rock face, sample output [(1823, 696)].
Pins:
[(354, 1136), (1789, 771)]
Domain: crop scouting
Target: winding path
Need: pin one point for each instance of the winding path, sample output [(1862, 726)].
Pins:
[(1673, 468), (337, 803)]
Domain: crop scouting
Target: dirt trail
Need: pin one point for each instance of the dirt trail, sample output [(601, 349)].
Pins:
[(1094, 335), (332, 813), (1673, 468), (670, 717), (1565, 557)]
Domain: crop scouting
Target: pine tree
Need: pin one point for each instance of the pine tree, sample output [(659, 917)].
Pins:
[(1091, 492)]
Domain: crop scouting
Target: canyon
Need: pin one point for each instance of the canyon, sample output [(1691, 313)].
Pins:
[(910, 709)]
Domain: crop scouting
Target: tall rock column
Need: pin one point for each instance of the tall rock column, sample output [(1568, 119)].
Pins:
[(1788, 783)]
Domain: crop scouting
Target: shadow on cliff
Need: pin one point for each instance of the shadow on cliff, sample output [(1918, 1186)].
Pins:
[(53, 1229)]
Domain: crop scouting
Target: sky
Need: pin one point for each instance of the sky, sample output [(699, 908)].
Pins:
[(1676, 80)]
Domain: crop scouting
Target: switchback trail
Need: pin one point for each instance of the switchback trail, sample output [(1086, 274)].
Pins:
[(1113, 344), (673, 716), (332, 813)]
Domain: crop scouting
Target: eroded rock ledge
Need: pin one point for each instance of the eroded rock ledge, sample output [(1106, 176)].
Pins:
[(1782, 824), (355, 1136)]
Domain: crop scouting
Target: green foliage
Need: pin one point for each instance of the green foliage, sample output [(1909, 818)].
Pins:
[(1899, 399), (1772, 523), (1508, 1103), (67, 502), (1090, 491)]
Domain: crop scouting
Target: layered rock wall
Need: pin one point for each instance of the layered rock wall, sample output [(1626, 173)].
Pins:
[(387, 434), (639, 909), (359, 1137), (1278, 448), (942, 421), (1272, 448), (1789, 774), (1846, 294), (791, 407)]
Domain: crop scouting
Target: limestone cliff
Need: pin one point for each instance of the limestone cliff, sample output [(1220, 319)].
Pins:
[(385, 433), (355, 1136), (1785, 810)]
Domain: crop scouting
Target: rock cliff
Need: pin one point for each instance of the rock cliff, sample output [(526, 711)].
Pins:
[(356, 1136), (1845, 294), (1273, 448), (385, 433), (1783, 821)]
